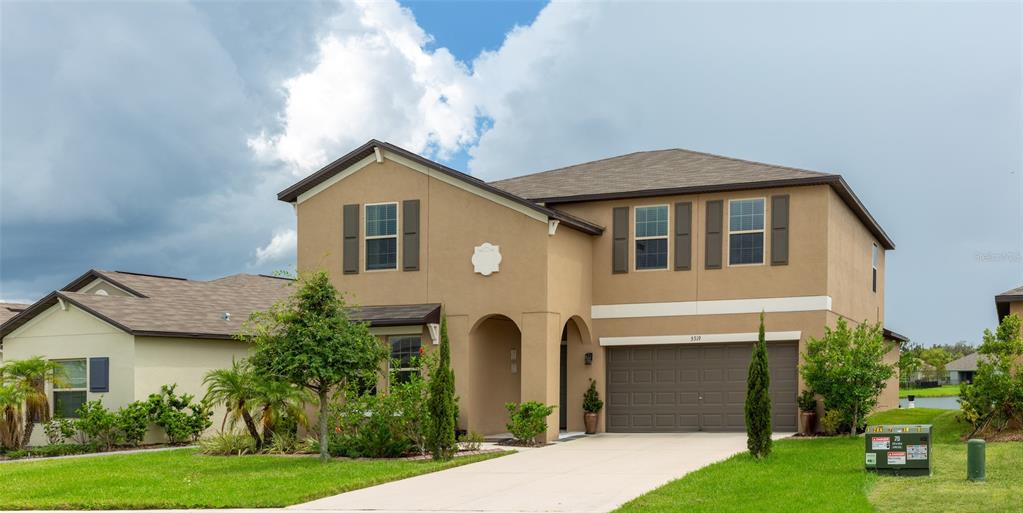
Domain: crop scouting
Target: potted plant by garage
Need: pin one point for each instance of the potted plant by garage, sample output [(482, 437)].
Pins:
[(591, 407), (807, 403)]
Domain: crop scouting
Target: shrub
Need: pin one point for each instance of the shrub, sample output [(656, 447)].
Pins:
[(282, 442), (758, 399), (132, 422), (528, 420), (367, 426), (53, 450), (58, 430), (442, 405), (591, 399), (227, 444), (994, 401), (807, 401), (182, 419), (847, 367), (98, 424), (471, 441), (831, 422), (413, 396)]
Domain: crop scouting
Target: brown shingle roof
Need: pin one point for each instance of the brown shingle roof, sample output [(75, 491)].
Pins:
[(166, 306), (966, 363), (8, 310), (673, 171), (647, 171)]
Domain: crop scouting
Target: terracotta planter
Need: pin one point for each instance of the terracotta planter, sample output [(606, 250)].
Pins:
[(807, 422), (590, 419)]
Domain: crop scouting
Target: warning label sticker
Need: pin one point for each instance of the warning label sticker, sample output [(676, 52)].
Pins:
[(896, 458), (916, 452), (871, 459), (880, 443)]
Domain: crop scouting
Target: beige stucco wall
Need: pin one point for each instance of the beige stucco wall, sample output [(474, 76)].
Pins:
[(73, 333), (183, 361), (849, 265)]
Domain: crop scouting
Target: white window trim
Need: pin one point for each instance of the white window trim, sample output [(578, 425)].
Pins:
[(763, 231), (54, 389), (666, 237), (366, 236)]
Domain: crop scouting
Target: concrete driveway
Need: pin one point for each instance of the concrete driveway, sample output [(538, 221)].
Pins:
[(587, 475)]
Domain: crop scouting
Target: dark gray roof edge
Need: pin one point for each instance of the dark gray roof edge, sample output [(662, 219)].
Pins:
[(835, 181), (891, 335), (291, 194), (1002, 303), (93, 274)]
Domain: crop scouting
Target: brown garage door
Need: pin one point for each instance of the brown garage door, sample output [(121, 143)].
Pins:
[(695, 387)]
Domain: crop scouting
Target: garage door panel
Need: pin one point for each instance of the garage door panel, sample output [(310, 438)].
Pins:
[(693, 387)]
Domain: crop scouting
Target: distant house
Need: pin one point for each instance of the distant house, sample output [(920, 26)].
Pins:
[(962, 370), (1009, 302)]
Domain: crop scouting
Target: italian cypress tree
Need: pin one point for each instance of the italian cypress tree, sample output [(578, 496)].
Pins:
[(441, 404), (758, 399)]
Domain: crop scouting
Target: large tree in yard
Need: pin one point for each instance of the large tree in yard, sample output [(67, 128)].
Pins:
[(309, 340), (758, 399), (847, 367)]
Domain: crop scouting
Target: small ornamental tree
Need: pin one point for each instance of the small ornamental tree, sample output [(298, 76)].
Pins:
[(994, 401), (758, 399), (847, 367), (309, 341), (442, 407)]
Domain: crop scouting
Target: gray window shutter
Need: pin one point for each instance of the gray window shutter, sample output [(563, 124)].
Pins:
[(99, 374), (410, 235), (620, 244), (715, 220), (683, 236), (780, 229), (350, 244)]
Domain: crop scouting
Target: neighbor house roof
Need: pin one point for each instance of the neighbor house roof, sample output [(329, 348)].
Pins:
[(966, 363), (898, 337), (179, 307), (673, 171), (8, 310), (1009, 296), (292, 193)]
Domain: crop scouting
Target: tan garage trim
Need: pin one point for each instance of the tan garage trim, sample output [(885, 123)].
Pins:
[(713, 307), (770, 336)]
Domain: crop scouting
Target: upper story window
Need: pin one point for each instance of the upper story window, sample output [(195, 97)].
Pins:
[(381, 236), (746, 231), (652, 237), (405, 350), (70, 393), (873, 265)]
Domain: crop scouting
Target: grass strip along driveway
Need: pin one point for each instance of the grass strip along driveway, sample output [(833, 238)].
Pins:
[(942, 391), (826, 475), (185, 479)]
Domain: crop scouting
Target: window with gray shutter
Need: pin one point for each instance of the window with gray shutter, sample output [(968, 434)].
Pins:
[(350, 243), (683, 236), (780, 229), (715, 222), (410, 235), (620, 244), (99, 374)]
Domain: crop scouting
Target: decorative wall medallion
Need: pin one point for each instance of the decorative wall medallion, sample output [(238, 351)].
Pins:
[(486, 259)]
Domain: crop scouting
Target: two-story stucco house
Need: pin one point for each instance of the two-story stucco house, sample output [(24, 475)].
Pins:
[(645, 272)]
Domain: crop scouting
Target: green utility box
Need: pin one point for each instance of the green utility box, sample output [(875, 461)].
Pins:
[(901, 449)]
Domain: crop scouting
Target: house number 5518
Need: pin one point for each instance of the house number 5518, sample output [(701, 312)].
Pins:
[(694, 338)]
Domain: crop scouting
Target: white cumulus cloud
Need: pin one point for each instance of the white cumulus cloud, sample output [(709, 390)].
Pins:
[(281, 247)]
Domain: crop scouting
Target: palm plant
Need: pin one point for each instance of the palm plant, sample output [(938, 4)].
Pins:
[(12, 399), (235, 388), (31, 375), (276, 400)]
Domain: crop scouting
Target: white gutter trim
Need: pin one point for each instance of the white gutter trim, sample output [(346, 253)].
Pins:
[(713, 307), (707, 338)]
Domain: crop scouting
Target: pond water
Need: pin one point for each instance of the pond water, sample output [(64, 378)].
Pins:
[(942, 403)]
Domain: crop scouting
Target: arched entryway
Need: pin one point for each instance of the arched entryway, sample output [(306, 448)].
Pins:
[(496, 355), (580, 360)]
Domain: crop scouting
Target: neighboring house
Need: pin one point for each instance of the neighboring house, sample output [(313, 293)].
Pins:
[(961, 370), (121, 336), (1009, 302), (646, 272)]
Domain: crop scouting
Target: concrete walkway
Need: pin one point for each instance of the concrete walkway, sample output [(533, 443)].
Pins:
[(594, 474)]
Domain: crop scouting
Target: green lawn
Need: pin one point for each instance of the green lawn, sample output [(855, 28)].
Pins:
[(826, 475), (185, 479), (942, 391)]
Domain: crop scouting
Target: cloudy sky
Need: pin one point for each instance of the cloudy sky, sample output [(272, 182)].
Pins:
[(154, 136)]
